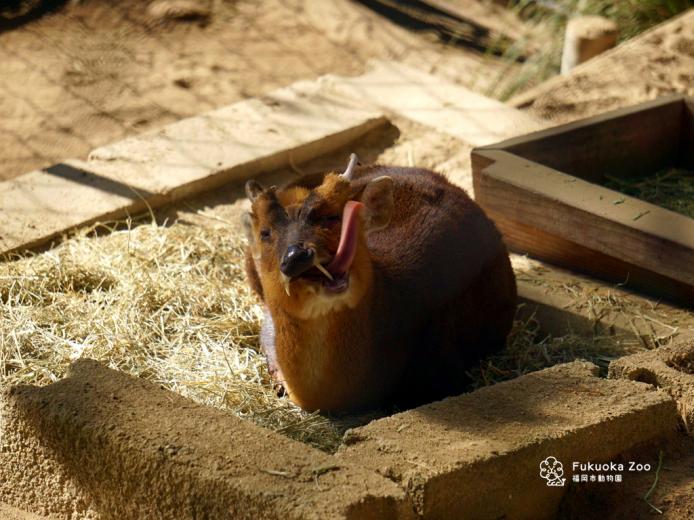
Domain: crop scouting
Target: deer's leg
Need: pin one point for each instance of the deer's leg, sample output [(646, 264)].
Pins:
[(267, 345)]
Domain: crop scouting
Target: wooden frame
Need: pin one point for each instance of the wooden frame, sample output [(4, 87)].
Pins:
[(542, 191)]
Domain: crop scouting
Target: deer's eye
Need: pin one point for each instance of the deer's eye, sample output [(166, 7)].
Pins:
[(265, 234), (329, 220)]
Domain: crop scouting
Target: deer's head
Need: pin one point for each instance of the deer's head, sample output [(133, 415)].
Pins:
[(308, 239)]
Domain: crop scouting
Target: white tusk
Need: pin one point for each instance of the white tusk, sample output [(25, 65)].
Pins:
[(353, 159), (285, 283), (323, 270)]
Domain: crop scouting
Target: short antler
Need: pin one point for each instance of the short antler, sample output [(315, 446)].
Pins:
[(353, 159)]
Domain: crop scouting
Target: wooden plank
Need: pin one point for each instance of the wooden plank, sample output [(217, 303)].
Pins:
[(585, 213), (575, 223), (536, 188), (632, 141), (293, 124), (579, 258), (429, 100)]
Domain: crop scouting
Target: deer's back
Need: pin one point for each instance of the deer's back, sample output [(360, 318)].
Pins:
[(438, 240)]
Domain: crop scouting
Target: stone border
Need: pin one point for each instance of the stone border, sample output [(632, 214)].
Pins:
[(100, 443), (103, 443), (478, 455), (670, 368)]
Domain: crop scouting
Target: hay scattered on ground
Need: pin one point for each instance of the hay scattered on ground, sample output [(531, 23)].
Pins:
[(529, 349), (650, 323), (672, 189), (170, 304)]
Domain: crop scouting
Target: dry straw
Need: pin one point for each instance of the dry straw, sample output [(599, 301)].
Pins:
[(171, 304), (672, 189)]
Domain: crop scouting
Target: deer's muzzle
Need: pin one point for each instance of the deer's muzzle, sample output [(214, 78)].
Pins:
[(296, 261)]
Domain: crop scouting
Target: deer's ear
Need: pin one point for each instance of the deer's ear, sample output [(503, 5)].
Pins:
[(247, 221), (253, 189), (377, 198)]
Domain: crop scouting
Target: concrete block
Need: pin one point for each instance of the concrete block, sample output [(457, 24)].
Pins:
[(290, 125), (670, 368), (101, 444), (478, 455)]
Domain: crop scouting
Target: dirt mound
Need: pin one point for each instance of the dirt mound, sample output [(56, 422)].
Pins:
[(657, 63)]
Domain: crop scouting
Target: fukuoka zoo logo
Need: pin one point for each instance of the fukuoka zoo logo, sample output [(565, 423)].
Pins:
[(552, 471)]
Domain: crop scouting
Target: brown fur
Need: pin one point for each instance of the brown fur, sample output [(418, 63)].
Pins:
[(430, 294)]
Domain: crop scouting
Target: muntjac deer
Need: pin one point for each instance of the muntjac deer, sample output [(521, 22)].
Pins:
[(381, 285)]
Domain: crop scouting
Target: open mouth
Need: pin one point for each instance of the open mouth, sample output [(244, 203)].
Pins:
[(334, 276), (336, 283)]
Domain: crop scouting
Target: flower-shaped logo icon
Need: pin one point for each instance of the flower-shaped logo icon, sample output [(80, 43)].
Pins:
[(552, 471)]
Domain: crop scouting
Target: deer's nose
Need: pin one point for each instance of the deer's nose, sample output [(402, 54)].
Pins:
[(296, 260)]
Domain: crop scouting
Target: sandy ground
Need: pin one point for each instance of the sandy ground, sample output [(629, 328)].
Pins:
[(94, 73), (12, 513), (659, 63)]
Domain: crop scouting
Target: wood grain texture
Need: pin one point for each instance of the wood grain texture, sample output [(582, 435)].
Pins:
[(570, 255), (575, 223), (427, 99), (290, 125), (630, 141)]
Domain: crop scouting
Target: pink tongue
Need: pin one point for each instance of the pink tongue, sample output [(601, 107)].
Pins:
[(348, 239)]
